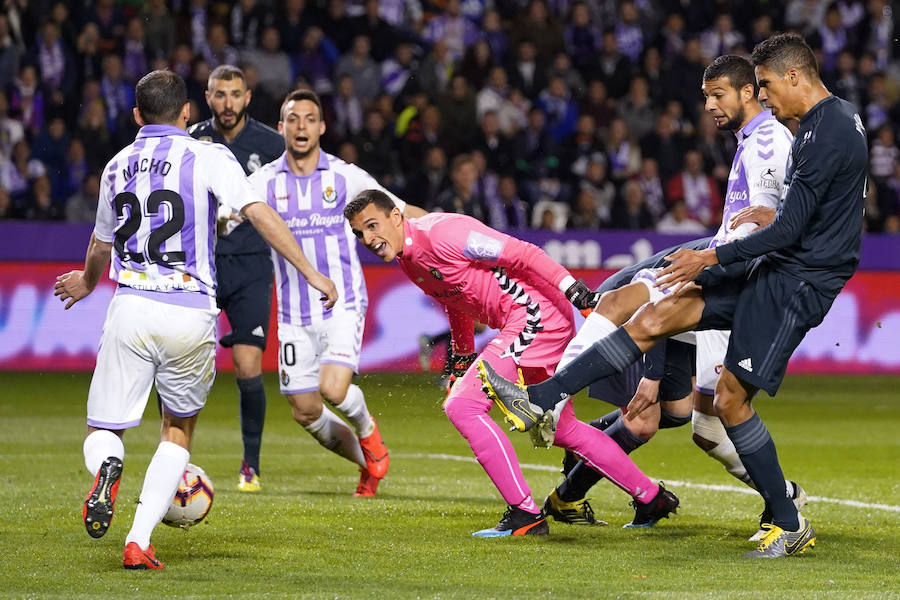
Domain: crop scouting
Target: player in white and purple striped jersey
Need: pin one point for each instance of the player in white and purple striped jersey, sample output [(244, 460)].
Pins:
[(319, 347), (156, 220)]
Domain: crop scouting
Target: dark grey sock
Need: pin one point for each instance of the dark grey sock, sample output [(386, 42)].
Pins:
[(667, 420), (606, 420), (602, 359), (757, 451), (253, 415)]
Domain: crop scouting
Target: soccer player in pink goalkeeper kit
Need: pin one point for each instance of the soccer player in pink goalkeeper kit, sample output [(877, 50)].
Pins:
[(480, 274)]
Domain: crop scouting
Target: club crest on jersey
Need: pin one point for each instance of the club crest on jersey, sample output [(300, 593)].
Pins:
[(329, 195), (285, 378), (437, 274), (254, 162), (204, 138)]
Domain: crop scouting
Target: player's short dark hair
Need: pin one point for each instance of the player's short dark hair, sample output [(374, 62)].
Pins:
[(301, 94), (225, 73), (365, 198), (784, 51), (737, 69), (160, 95)]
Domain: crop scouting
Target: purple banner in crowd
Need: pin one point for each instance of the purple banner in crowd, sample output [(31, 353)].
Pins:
[(26, 241)]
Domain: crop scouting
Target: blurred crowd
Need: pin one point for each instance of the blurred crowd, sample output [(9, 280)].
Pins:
[(548, 114)]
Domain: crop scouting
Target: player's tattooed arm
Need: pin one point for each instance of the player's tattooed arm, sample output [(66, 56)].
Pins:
[(75, 285)]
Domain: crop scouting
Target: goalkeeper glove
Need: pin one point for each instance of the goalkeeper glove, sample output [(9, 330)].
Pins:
[(456, 366), (581, 296)]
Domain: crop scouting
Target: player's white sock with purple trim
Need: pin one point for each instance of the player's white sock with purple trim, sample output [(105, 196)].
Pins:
[(330, 431), (712, 430), (100, 445), (160, 484), (595, 327), (355, 410)]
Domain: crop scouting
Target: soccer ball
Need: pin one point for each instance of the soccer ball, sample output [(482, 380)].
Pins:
[(192, 500)]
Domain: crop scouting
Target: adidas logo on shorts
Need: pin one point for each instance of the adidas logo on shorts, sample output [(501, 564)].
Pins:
[(258, 331), (746, 365)]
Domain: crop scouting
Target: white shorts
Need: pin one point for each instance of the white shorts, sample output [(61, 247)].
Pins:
[(302, 349), (711, 347), (145, 341)]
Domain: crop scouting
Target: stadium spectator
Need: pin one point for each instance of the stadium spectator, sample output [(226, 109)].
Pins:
[(376, 155), (494, 144), (397, 70), (27, 100), (506, 210), (560, 109), (462, 196), (585, 213), (623, 152), (11, 130), (601, 187), (336, 24), (884, 156), (457, 108), (81, 207), (613, 67), (538, 26), (381, 35), (527, 72), (452, 28), (10, 54), (429, 179), (159, 28), (18, 172), (476, 63), (678, 221), (272, 63), (631, 212), (315, 60), (40, 205), (359, 65), (492, 32), (246, 21), (344, 111), (651, 183), (582, 39), (293, 22), (637, 108), (435, 70), (721, 38), (110, 23), (697, 190), (50, 147), (629, 36), (118, 96)]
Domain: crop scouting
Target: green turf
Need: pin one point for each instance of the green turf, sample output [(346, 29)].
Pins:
[(305, 536)]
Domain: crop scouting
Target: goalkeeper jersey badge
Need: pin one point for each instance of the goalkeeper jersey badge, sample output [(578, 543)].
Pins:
[(437, 274)]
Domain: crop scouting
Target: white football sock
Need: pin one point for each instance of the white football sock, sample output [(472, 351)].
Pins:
[(160, 484), (354, 409), (330, 431), (595, 327), (99, 446)]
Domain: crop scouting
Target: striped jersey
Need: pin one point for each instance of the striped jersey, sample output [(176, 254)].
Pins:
[(313, 208), (158, 202), (757, 172)]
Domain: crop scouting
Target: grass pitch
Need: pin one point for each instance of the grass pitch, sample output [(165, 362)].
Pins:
[(304, 536)]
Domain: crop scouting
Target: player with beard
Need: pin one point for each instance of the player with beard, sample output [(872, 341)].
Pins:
[(787, 277), (243, 264), (754, 187)]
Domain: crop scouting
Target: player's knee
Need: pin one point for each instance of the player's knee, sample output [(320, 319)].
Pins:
[(707, 430), (305, 413), (614, 305), (333, 390)]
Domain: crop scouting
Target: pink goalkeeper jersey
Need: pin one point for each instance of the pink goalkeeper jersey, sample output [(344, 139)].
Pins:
[(480, 274)]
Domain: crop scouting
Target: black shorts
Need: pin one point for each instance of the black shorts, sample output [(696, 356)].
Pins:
[(245, 294), (676, 383), (768, 313)]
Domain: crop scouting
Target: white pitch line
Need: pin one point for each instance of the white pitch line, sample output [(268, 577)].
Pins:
[(687, 484)]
